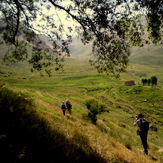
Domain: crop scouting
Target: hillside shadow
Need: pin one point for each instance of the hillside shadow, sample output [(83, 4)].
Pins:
[(25, 136)]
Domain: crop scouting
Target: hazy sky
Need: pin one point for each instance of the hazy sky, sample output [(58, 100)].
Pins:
[(55, 15), (58, 17)]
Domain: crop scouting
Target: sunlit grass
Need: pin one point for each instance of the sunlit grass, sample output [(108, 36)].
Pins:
[(79, 83)]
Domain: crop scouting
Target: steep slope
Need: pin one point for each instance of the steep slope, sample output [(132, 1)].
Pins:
[(151, 55), (42, 133), (146, 62), (80, 51)]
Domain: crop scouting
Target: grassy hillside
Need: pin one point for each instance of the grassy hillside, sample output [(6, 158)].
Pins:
[(79, 50), (31, 134), (147, 62), (33, 128), (151, 55), (113, 139)]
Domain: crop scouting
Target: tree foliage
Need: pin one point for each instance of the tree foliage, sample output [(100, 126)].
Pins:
[(144, 81), (112, 26), (94, 109), (154, 80)]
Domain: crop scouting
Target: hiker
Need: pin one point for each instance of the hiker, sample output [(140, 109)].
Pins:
[(68, 106), (63, 107), (142, 131)]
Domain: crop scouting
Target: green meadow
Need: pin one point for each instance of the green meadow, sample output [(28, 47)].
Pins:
[(73, 137)]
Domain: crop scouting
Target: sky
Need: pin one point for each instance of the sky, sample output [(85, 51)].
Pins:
[(55, 15), (58, 17)]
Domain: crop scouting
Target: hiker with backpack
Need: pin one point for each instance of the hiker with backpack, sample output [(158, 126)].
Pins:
[(68, 106), (63, 107), (142, 131)]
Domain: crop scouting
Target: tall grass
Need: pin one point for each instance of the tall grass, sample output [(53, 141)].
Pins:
[(28, 136), (36, 130)]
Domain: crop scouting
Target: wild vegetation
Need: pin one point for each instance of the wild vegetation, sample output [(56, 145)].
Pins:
[(94, 109), (33, 127), (27, 135), (112, 28), (152, 80)]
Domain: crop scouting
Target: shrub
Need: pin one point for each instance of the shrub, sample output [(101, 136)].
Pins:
[(94, 109), (136, 90), (144, 81), (154, 80), (149, 81)]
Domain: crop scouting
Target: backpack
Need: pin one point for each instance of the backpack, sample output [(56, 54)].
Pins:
[(68, 105), (63, 107), (144, 125)]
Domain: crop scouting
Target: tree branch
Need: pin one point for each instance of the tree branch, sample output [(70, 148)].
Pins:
[(68, 12), (18, 20)]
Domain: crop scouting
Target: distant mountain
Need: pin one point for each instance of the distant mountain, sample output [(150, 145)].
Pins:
[(77, 49), (80, 51), (46, 40), (46, 44), (148, 55), (151, 55)]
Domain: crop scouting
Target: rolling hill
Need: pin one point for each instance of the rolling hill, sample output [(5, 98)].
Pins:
[(33, 128), (147, 61), (151, 55), (143, 62), (80, 51)]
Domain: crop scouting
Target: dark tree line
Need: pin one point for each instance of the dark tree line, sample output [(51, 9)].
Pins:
[(152, 80)]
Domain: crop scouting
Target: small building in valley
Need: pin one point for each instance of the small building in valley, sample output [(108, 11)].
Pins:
[(130, 83)]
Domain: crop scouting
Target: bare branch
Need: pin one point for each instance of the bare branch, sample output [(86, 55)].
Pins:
[(58, 17), (68, 12), (18, 20)]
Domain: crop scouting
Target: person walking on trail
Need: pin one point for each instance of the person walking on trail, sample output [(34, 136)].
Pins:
[(63, 107), (142, 131), (68, 106)]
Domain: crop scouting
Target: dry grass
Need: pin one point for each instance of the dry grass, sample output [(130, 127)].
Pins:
[(108, 140), (97, 138)]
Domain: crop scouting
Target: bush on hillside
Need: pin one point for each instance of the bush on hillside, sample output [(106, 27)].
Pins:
[(152, 80), (94, 109), (144, 81)]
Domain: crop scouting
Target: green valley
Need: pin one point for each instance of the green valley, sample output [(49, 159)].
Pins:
[(33, 103)]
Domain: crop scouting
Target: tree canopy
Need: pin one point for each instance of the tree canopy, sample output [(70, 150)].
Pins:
[(113, 26), (154, 80)]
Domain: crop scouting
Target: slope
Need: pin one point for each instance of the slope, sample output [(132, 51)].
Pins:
[(147, 62), (151, 55), (80, 51), (114, 137)]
